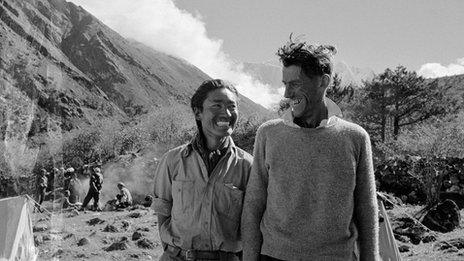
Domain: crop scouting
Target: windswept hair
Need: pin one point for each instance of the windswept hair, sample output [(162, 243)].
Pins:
[(206, 87), (315, 60)]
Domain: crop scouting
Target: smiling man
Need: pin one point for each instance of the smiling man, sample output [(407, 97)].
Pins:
[(311, 194), (199, 187)]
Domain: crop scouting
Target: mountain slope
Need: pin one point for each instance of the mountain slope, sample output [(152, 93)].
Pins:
[(77, 71)]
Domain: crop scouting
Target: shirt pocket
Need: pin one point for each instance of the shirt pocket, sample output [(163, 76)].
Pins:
[(183, 195), (230, 201)]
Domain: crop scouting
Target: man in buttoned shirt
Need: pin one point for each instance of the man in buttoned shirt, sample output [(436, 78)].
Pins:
[(199, 186), (311, 193)]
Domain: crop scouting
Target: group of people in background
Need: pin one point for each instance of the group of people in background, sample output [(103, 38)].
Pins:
[(72, 186), (307, 193)]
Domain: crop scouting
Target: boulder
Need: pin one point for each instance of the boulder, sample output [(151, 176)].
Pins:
[(122, 244), (38, 240), (404, 248), (443, 218), (110, 228), (117, 246), (146, 243), (455, 244), (136, 235), (135, 215), (95, 221), (125, 224), (409, 227), (83, 241), (39, 228)]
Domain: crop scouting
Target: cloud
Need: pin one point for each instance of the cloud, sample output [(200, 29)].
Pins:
[(434, 70), (166, 28)]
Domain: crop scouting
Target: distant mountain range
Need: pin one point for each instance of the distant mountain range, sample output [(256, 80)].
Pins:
[(271, 73), (77, 71)]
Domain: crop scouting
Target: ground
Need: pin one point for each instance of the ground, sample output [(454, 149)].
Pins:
[(67, 236)]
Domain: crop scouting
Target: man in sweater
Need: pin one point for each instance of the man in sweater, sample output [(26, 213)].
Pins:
[(311, 193), (199, 186)]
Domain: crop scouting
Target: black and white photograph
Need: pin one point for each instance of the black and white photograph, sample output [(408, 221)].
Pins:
[(182, 130)]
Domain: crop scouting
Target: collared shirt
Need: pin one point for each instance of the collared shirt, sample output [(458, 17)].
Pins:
[(332, 112), (204, 210), (211, 158)]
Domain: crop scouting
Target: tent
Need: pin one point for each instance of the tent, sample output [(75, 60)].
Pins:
[(387, 244), (16, 237)]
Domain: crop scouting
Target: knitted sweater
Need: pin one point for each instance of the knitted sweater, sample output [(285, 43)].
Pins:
[(311, 194)]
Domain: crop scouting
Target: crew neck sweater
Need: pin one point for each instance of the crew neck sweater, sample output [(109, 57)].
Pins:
[(311, 194)]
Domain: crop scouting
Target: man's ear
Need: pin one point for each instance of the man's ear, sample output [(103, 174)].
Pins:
[(196, 112), (325, 81)]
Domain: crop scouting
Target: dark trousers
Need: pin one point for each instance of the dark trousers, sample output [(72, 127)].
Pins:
[(268, 258), (92, 194), (41, 193)]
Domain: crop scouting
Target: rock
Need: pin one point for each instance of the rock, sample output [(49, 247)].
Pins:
[(47, 238), (73, 213), (95, 221), (83, 241), (134, 256), (68, 236), (117, 246), (39, 228), (135, 215), (58, 252), (458, 198), (38, 240), (146, 243), (146, 229), (408, 227), (136, 236), (93, 234), (110, 228), (402, 238), (404, 248), (456, 243), (81, 255), (125, 224), (443, 218), (429, 238), (148, 201), (137, 206)]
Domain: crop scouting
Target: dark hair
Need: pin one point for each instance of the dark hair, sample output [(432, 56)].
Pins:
[(315, 60), (201, 94), (206, 87)]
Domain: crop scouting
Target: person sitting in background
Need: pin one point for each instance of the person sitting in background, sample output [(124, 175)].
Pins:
[(124, 198), (65, 203)]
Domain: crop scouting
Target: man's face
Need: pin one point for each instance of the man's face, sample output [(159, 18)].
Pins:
[(305, 93), (219, 113)]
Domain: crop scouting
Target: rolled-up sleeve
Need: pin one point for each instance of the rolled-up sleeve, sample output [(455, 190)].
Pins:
[(162, 202)]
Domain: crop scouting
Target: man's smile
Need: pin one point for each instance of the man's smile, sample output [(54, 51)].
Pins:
[(223, 123)]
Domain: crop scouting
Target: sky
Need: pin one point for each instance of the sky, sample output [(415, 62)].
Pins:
[(217, 36)]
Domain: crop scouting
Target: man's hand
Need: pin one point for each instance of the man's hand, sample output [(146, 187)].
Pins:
[(161, 220)]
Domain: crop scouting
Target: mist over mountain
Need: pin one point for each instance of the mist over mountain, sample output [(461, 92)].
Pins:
[(62, 67)]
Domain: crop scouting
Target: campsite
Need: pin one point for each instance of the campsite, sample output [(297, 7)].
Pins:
[(94, 93), (133, 235)]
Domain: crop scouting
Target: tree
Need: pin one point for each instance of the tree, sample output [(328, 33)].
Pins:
[(399, 98), (338, 93)]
